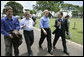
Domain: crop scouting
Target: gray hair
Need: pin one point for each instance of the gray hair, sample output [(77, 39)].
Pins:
[(27, 12), (45, 11), (7, 8)]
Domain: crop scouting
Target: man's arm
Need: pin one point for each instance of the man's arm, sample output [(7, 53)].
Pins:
[(3, 29), (41, 26)]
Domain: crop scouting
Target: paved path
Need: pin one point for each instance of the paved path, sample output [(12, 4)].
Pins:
[(73, 48)]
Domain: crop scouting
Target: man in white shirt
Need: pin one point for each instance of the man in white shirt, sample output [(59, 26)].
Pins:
[(27, 25)]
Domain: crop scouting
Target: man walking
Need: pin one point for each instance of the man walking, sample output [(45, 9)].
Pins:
[(60, 31), (67, 26), (9, 23), (27, 25), (45, 31)]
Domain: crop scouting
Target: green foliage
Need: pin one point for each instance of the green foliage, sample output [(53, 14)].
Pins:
[(17, 8), (31, 11), (50, 5)]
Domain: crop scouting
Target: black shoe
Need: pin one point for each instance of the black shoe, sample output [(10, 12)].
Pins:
[(66, 52), (16, 55), (30, 55), (54, 47), (50, 52)]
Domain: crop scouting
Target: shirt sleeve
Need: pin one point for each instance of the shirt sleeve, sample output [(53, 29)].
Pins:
[(17, 24), (41, 23), (3, 29), (22, 22)]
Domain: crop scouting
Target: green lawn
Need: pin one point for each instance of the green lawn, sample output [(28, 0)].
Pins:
[(76, 34)]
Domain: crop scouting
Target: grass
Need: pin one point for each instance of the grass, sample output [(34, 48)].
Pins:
[(76, 34)]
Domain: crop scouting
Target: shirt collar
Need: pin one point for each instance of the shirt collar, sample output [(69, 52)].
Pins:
[(27, 19), (61, 19), (8, 19), (45, 16)]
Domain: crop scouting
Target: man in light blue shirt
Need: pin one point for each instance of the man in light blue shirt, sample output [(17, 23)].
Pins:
[(44, 22), (27, 26), (45, 31)]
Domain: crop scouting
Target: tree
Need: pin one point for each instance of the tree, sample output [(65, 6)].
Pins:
[(81, 11), (50, 5), (69, 7), (31, 11), (17, 8)]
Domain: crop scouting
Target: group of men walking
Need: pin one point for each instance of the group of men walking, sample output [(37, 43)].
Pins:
[(10, 23)]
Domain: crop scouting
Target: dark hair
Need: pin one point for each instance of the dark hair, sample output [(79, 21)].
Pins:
[(61, 13), (7, 8), (67, 16)]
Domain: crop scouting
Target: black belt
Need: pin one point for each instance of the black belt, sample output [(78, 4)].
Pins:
[(46, 28), (28, 31)]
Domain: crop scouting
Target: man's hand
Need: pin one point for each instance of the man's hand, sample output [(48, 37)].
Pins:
[(16, 32), (23, 26), (58, 23), (10, 35), (45, 32)]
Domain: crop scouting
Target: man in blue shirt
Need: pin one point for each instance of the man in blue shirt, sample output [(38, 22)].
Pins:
[(9, 23), (45, 31)]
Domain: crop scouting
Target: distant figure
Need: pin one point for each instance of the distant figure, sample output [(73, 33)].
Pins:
[(21, 17), (67, 27), (34, 18)]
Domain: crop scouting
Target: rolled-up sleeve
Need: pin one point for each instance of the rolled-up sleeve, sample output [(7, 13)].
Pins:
[(41, 23), (21, 23)]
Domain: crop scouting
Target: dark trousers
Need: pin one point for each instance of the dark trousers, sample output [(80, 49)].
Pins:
[(8, 47), (29, 38), (57, 34), (49, 44)]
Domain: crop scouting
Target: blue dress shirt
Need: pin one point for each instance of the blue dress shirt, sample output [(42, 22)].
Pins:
[(44, 22), (9, 25)]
